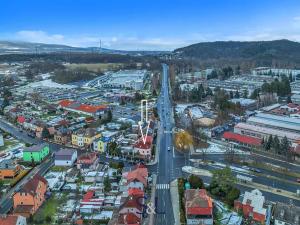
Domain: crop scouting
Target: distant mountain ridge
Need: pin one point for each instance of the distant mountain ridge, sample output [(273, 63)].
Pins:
[(278, 53), (16, 47)]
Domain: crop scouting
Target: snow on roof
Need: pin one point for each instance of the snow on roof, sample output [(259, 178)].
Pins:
[(256, 200), (243, 101), (264, 130), (275, 120)]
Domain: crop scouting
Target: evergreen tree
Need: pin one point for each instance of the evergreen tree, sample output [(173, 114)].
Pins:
[(45, 133), (109, 116), (107, 184), (275, 145), (209, 92), (245, 93), (237, 94), (285, 147), (269, 143), (255, 94)]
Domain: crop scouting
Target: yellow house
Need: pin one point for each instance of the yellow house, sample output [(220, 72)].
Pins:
[(100, 145), (74, 139), (85, 137), (90, 135)]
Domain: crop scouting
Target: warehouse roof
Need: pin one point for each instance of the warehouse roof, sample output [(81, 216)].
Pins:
[(284, 122), (265, 130), (242, 138)]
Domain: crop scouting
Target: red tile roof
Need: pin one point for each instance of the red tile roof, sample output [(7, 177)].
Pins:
[(91, 108), (129, 219), (87, 158), (139, 174), (197, 202), (89, 195), (81, 107), (133, 202), (242, 138), (9, 220), (32, 185), (146, 145), (135, 192), (65, 103), (21, 119)]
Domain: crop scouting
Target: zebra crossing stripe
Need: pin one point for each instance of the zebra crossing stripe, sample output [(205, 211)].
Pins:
[(162, 186)]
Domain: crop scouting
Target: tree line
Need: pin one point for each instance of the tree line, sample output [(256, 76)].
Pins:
[(280, 147), (196, 94)]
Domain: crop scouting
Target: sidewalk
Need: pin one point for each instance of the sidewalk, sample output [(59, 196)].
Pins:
[(175, 201), (156, 148), (153, 189), (276, 191)]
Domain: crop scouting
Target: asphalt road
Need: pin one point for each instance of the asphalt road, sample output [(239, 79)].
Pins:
[(6, 200), (165, 163)]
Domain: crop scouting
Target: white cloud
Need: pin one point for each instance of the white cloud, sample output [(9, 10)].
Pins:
[(114, 42), (124, 42), (39, 36)]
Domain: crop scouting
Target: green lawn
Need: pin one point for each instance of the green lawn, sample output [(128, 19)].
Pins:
[(46, 213)]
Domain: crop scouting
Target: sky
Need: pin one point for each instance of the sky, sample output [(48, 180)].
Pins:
[(147, 24)]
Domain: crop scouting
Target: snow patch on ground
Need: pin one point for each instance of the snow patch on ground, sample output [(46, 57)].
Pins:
[(50, 83), (181, 107), (218, 149), (196, 112)]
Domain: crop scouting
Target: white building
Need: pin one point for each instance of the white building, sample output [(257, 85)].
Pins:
[(296, 98), (133, 79), (65, 157), (1, 140), (264, 132)]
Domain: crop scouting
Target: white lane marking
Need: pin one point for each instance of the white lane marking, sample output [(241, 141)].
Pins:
[(162, 186)]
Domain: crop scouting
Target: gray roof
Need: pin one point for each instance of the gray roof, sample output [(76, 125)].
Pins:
[(35, 148), (287, 213), (64, 154), (7, 164)]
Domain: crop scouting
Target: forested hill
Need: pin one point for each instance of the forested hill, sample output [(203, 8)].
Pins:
[(260, 53)]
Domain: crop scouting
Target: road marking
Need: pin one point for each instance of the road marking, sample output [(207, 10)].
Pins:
[(162, 186), (173, 152)]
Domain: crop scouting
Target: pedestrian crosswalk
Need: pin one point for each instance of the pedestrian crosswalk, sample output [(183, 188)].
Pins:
[(162, 186)]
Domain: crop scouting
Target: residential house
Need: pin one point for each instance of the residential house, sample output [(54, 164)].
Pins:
[(198, 207), (144, 147), (31, 196), (131, 205), (100, 144), (94, 176), (137, 178), (87, 161), (90, 135), (285, 214), (91, 203), (129, 219), (252, 205), (36, 153), (62, 136), (65, 157), (85, 137), (9, 169), (12, 220)]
